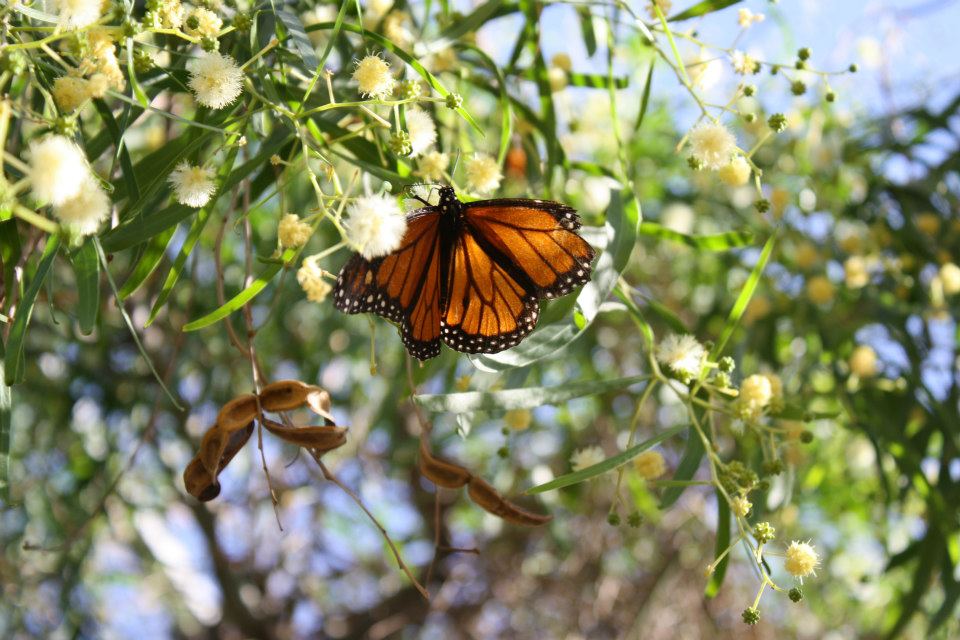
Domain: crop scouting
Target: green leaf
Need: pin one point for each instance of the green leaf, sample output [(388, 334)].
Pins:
[(142, 229), (798, 412), (246, 295), (301, 41), (743, 300), (13, 360), (607, 465), (126, 165), (134, 83), (586, 29), (86, 266), (645, 100), (702, 9), (476, 19), (147, 262), (715, 242), (689, 463), (722, 542), (506, 112), (523, 398), (196, 228), (10, 251)]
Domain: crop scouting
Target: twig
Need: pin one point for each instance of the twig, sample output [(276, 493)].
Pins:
[(396, 553)]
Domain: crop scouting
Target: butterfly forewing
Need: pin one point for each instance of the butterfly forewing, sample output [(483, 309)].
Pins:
[(539, 238), (403, 287)]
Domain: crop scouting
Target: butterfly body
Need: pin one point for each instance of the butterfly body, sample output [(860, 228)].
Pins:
[(470, 274)]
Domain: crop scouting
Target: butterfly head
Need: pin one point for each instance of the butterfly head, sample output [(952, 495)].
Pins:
[(448, 200)]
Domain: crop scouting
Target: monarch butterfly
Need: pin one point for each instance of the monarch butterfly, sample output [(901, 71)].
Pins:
[(470, 274)]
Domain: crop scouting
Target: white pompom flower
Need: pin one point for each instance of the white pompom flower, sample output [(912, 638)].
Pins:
[(483, 173), (192, 186), (683, 355), (373, 77), (735, 173), (58, 169), (375, 226), (87, 210), (422, 130), (75, 14), (215, 79), (712, 144)]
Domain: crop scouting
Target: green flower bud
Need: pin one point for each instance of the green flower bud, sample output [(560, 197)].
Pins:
[(410, 89), (400, 143), (749, 90), (751, 615), (804, 53), (777, 122), (503, 452), (192, 22), (243, 22), (800, 65), (795, 594), (853, 68), (749, 117), (454, 101), (209, 44), (694, 163), (65, 126), (775, 69), (142, 62), (762, 205), (798, 88), (727, 364), (806, 436), (764, 532), (830, 96), (773, 468), (634, 519), (613, 519)]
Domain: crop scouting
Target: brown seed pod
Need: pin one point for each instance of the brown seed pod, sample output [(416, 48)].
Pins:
[(319, 402), (217, 449), (440, 472), (237, 413), (324, 438), (285, 395), (490, 500)]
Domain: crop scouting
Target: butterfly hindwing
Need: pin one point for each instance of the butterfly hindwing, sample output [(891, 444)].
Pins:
[(488, 308), (403, 287)]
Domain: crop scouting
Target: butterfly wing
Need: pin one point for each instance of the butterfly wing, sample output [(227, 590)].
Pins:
[(488, 309), (508, 255), (403, 287), (538, 238)]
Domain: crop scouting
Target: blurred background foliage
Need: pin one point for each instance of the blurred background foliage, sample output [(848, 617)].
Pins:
[(99, 538)]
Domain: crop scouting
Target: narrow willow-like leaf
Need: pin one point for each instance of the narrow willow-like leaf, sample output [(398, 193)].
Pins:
[(645, 100), (147, 262), (506, 112), (86, 266), (714, 242), (298, 35), (246, 295), (196, 228), (722, 542), (743, 300), (126, 164), (129, 323), (471, 22), (13, 360), (607, 465), (689, 463), (142, 229), (702, 9), (431, 79), (798, 412), (587, 30), (525, 398)]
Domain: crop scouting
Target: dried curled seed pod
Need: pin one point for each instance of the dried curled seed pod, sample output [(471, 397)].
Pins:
[(285, 394), (324, 438), (319, 402), (237, 413), (490, 500), (217, 449), (440, 472)]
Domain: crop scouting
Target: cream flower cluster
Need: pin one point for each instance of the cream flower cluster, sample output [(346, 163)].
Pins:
[(433, 165), (310, 277), (650, 465), (483, 173), (712, 144), (373, 77), (586, 457), (192, 186), (60, 176), (683, 355), (292, 231)]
